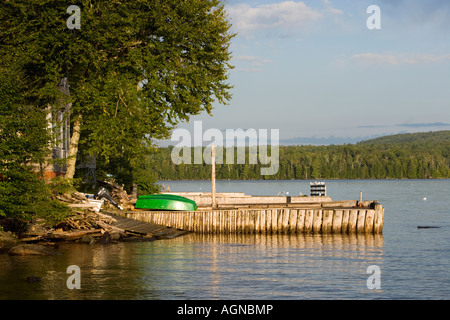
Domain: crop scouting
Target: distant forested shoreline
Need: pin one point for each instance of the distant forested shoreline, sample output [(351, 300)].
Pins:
[(403, 156)]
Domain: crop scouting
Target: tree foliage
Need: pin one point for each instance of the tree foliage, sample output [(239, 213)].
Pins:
[(135, 69), (23, 146)]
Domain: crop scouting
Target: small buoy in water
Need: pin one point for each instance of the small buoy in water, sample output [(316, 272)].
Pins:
[(425, 199)]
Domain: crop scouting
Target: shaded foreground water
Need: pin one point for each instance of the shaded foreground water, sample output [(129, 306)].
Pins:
[(414, 263)]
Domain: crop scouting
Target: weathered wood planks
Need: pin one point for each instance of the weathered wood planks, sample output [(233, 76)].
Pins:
[(270, 220)]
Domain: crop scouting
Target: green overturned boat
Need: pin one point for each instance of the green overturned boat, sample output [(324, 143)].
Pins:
[(169, 202)]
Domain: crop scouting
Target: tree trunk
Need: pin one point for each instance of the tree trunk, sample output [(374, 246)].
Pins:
[(73, 148)]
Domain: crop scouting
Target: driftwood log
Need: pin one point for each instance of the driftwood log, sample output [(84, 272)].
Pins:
[(73, 235)]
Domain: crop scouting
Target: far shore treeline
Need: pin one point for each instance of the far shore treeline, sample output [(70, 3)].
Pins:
[(403, 156)]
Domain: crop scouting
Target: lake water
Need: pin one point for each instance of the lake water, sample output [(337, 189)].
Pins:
[(413, 263)]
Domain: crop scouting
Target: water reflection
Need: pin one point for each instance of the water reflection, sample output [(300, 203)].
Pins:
[(281, 266), (231, 266), (307, 240), (105, 273)]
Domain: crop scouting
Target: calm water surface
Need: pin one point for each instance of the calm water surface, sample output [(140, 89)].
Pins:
[(414, 263)]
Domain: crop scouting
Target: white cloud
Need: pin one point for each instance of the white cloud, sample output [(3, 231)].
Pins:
[(253, 60), (374, 58), (246, 58), (426, 58), (397, 59), (243, 69), (285, 15), (250, 62), (330, 9)]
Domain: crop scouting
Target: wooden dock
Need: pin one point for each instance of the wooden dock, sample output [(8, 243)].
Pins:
[(144, 228), (290, 218)]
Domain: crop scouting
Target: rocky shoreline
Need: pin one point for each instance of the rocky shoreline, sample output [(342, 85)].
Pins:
[(81, 227), (91, 221)]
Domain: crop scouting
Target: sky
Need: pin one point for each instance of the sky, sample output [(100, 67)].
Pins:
[(317, 73)]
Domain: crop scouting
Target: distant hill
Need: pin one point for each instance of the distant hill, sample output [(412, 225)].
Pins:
[(421, 155), (431, 137)]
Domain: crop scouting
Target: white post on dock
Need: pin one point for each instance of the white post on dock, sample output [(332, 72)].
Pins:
[(213, 176)]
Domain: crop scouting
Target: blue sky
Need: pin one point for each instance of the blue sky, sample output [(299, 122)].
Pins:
[(313, 70)]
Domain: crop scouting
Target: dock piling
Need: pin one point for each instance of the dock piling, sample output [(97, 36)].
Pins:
[(282, 220)]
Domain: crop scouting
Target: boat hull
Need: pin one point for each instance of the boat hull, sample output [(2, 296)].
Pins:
[(165, 202)]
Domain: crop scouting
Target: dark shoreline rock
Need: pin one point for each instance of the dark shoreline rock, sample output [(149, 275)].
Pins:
[(87, 238), (106, 238), (32, 249), (7, 241)]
